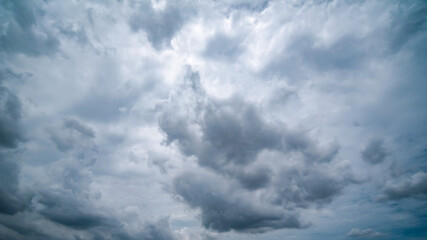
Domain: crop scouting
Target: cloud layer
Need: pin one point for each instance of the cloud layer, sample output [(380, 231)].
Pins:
[(155, 119)]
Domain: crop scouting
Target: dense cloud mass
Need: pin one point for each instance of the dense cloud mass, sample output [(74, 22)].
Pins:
[(415, 186), (230, 137), (167, 120)]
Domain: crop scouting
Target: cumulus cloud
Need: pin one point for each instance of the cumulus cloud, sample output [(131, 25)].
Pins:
[(232, 138), (228, 207), (159, 119), (412, 186)]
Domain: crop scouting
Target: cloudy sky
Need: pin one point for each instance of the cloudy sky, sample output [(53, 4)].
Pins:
[(213, 119)]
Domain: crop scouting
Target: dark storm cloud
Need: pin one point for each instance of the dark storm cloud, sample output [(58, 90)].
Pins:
[(300, 189), (10, 114), (374, 152), (229, 137), (233, 131), (236, 130), (75, 212), (83, 227), (160, 25), (256, 178), (21, 33), (11, 198), (64, 208), (412, 187), (224, 207), (364, 233), (19, 227)]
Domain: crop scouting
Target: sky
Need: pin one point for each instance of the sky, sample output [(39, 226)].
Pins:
[(213, 119)]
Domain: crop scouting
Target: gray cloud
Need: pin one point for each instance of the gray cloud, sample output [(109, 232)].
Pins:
[(11, 134), (62, 143), (159, 230), (100, 139), (254, 178), (12, 200), (19, 226), (65, 209), (364, 233), (257, 6), (233, 132), (160, 25), (223, 47), (74, 135), (20, 31), (232, 138), (79, 127), (75, 32), (10, 114), (409, 26), (414, 186), (302, 56), (225, 207), (301, 188), (374, 152)]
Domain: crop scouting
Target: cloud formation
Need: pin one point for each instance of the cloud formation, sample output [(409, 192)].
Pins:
[(20, 33), (412, 186), (159, 119), (161, 24), (231, 138)]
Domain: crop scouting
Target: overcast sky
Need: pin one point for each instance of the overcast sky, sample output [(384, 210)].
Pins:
[(213, 119)]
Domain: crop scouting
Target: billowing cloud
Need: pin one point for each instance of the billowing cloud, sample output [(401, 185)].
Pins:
[(160, 119), (232, 138), (412, 186), (226, 207)]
